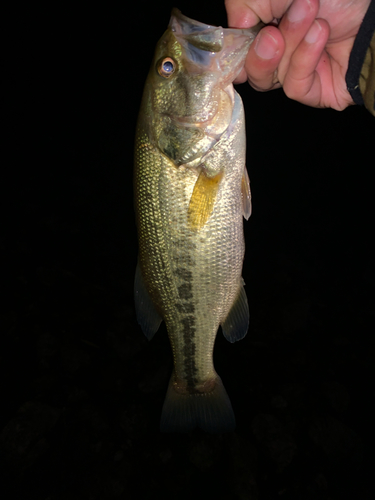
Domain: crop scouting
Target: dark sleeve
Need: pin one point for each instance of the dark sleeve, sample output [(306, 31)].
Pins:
[(360, 77)]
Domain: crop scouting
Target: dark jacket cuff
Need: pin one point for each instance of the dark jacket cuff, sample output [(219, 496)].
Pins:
[(358, 54)]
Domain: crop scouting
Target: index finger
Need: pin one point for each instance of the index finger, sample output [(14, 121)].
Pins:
[(240, 15), (247, 13)]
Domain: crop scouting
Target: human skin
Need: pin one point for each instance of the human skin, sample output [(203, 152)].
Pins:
[(306, 49)]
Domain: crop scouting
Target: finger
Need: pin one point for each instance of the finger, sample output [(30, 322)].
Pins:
[(240, 15), (263, 59), (294, 26), (247, 13), (302, 81)]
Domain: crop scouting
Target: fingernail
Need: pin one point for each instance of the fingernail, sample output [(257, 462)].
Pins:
[(313, 34), (298, 10), (266, 46)]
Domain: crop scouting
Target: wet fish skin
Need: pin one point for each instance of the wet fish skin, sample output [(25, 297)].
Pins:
[(191, 191)]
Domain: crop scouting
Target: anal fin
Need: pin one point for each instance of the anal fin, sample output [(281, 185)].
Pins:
[(236, 323)]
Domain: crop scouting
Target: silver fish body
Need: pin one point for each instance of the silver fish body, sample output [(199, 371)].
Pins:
[(191, 192)]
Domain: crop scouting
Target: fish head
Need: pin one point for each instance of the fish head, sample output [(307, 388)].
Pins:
[(189, 91)]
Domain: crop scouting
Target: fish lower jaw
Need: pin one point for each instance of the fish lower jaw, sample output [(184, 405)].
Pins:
[(229, 89), (207, 116), (183, 387)]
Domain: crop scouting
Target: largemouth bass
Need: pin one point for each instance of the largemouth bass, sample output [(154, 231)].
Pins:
[(191, 192)]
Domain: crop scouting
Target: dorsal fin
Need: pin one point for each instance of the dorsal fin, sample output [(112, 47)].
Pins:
[(147, 316)]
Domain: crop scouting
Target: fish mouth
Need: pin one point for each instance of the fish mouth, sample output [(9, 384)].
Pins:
[(212, 48)]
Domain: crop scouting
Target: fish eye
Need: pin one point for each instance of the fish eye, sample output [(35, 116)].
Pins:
[(166, 67)]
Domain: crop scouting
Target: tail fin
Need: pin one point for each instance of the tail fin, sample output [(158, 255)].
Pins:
[(211, 411)]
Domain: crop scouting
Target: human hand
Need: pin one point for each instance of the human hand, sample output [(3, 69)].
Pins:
[(307, 53)]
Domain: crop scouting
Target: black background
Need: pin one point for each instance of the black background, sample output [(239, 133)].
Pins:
[(82, 388)]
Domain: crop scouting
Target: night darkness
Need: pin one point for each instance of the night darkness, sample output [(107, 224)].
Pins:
[(82, 388)]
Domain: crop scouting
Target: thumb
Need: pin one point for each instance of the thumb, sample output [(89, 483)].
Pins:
[(263, 59)]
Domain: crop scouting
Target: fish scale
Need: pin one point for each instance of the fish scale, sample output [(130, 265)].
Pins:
[(189, 203)]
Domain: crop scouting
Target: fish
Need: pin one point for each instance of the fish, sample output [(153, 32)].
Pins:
[(191, 192)]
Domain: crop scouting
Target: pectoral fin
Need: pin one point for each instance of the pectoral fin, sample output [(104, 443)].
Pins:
[(246, 194), (147, 316), (237, 322), (202, 200)]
